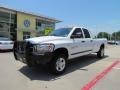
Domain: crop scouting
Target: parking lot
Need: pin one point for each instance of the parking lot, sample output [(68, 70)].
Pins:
[(80, 73)]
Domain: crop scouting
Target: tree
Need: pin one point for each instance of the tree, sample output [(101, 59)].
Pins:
[(103, 35), (116, 35)]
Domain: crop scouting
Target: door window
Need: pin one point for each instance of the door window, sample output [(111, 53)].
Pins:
[(78, 33), (86, 33)]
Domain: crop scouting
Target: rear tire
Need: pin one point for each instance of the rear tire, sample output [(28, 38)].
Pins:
[(100, 53), (58, 64)]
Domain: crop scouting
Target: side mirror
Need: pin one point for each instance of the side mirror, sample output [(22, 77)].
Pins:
[(78, 33), (75, 36)]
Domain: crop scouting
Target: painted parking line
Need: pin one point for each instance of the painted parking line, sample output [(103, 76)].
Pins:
[(117, 68), (92, 83)]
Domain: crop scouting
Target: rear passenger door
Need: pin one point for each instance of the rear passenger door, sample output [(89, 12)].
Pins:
[(88, 41)]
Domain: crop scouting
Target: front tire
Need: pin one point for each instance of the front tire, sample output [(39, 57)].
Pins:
[(58, 64), (100, 53)]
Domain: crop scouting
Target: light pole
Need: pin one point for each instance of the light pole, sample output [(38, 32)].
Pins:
[(115, 37), (9, 24)]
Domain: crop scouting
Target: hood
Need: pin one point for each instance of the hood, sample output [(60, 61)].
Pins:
[(44, 39)]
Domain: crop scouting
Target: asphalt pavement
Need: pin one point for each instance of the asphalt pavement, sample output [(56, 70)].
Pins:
[(15, 75)]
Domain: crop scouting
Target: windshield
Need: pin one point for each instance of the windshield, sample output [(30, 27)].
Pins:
[(4, 39), (62, 32)]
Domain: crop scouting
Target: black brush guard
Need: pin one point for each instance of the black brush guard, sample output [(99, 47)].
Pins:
[(22, 50)]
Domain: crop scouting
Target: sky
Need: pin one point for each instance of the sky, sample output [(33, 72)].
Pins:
[(96, 15)]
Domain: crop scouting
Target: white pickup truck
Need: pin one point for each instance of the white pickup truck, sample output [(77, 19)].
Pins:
[(56, 49)]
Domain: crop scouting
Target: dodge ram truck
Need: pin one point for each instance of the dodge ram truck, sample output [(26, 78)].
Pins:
[(56, 49)]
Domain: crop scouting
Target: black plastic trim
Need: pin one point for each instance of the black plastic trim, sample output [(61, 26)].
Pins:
[(80, 52)]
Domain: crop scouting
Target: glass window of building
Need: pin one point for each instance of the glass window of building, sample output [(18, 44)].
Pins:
[(8, 25)]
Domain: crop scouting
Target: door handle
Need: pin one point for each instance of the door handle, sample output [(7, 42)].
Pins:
[(91, 40), (82, 41)]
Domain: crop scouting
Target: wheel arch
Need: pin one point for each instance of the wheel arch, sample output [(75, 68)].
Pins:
[(102, 46), (62, 50)]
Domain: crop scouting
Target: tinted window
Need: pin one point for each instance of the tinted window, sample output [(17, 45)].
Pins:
[(78, 32), (1, 26), (4, 39), (62, 32), (86, 33)]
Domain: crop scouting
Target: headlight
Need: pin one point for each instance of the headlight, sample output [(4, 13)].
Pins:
[(42, 48)]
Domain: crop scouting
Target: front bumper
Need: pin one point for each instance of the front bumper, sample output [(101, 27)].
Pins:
[(43, 58), (29, 56), (39, 59)]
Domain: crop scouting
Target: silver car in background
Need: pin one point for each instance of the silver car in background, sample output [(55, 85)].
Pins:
[(6, 43), (113, 42)]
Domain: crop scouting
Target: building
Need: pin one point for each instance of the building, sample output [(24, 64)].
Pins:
[(19, 25)]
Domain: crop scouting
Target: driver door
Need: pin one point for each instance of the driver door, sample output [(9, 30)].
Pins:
[(78, 43)]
